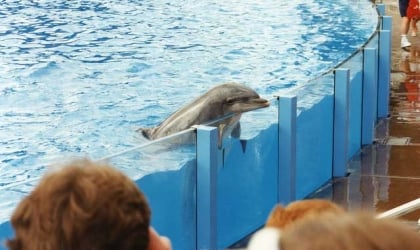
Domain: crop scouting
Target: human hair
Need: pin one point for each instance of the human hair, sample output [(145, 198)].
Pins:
[(350, 231), (83, 205), (281, 217)]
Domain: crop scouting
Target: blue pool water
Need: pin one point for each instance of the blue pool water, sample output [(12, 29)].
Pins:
[(79, 77)]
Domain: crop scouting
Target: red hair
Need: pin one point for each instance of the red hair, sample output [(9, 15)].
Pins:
[(281, 217)]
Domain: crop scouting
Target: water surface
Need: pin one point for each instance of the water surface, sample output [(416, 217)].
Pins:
[(79, 77)]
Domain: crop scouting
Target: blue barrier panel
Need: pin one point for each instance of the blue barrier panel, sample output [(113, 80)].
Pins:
[(6, 232), (207, 142), (11, 194), (287, 149), (247, 177), (171, 196), (355, 65), (370, 82), (386, 23), (314, 134), (384, 69), (166, 172), (381, 9), (374, 44), (341, 117)]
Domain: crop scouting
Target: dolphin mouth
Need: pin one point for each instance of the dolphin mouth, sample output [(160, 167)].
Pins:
[(253, 104), (259, 103)]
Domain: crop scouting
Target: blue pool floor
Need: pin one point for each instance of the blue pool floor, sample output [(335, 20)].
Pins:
[(386, 174)]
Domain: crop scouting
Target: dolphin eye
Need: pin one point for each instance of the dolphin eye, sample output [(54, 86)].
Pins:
[(230, 100)]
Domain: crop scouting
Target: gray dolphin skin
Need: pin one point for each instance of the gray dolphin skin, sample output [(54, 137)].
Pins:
[(223, 100)]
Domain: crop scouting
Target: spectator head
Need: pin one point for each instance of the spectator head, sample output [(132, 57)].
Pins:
[(83, 205), (338, 231)]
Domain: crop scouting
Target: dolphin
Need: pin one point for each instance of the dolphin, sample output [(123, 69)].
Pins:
[(224, 100)]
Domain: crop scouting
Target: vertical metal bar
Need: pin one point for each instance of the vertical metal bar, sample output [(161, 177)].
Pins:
[(369, 101), (386, 23), (384, 69), (341, 121), (287, 149), (381, 9), (206, 187)]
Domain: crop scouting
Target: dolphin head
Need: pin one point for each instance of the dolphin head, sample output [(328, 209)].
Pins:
[(238, 98)]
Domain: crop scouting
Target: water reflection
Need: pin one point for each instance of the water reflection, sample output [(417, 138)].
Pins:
[(381, 177)]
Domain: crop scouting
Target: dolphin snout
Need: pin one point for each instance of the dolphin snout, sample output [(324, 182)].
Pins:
[(262, 102), (251, 104)]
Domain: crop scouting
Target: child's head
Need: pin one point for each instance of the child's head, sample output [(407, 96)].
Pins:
[(281, 217), (83, 205), (347, 231)]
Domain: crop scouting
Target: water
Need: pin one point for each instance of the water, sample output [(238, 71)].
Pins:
[(79, 77)]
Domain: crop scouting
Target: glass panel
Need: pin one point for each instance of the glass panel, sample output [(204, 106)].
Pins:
[(374, 41), (165, 170), (367, 16), (16, 184), (314, 134), (247, 177), (355, 65)]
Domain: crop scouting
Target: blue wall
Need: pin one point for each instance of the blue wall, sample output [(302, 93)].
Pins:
[(171, 195), (247, 186), (314, 147)]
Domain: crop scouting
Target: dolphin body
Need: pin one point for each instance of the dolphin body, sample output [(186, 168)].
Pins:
[(228, 99)]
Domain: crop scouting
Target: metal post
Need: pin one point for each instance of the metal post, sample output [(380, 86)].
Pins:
[(381, 9), (287, 149), (206, 187), (384, 68), (369, 101), (386, 23), (341, 121)]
